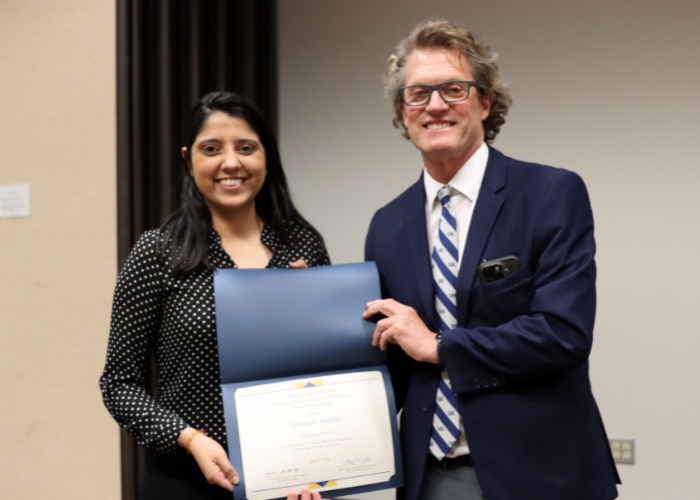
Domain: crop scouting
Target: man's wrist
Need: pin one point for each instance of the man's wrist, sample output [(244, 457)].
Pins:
[(440, 358)]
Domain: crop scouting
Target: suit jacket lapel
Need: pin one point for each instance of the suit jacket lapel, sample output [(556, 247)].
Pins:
[(417, 243), (488, 205)]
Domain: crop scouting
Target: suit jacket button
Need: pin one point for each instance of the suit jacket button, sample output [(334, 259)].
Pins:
[(494, 382), (427, 407), (485, 382), (477, 383)]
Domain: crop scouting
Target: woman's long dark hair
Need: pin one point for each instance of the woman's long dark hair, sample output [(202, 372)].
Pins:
[(186, 231)]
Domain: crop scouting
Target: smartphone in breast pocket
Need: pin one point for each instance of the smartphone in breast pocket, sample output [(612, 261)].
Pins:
[(496, 269)]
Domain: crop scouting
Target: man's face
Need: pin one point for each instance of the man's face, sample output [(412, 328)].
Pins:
[(444, 131)]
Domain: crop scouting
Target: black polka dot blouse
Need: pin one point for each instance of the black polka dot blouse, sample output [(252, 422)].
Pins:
[(174, 317)]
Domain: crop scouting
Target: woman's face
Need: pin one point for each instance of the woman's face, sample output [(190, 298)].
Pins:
[(227, 164)]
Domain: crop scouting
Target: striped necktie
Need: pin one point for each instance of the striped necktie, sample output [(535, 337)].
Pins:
[(445, 267)]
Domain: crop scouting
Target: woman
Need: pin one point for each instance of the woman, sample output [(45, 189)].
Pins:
[(235, 211)]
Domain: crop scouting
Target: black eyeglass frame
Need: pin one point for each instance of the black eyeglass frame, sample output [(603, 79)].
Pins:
[(437, 86)]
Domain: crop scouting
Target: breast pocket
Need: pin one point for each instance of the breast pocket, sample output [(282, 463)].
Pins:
[(494, 303)]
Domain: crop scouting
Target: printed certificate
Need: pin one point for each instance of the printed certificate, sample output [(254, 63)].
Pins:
[(327, 433)]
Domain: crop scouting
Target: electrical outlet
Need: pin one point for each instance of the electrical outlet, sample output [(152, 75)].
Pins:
[(622, 450)]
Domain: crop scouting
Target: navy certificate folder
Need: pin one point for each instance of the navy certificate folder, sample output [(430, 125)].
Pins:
[(281, 324)]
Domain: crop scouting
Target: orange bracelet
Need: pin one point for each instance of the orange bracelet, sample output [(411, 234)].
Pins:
[(192, 436)]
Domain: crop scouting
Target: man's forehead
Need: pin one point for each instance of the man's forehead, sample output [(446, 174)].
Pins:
[(426, 62)]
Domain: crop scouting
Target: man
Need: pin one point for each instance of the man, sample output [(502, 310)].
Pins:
[(489, 289)]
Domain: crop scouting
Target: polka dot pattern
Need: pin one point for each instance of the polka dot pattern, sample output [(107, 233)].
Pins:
[(175, 318)]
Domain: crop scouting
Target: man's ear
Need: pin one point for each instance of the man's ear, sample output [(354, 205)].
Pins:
[(486, 102), (402, 109)]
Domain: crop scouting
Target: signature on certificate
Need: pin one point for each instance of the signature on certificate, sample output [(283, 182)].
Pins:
[(283, 471), (357, 460)]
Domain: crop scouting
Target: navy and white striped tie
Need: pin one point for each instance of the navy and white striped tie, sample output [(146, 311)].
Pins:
[(445, 255)]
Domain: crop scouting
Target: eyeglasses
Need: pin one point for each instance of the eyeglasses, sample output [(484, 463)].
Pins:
[(453, 91)]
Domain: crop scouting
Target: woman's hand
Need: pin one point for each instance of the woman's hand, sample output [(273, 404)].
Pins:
[(305, 495), (211, 458), (298, 264)]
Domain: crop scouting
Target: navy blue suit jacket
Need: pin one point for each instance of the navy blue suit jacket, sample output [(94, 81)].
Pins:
[(518, 359)]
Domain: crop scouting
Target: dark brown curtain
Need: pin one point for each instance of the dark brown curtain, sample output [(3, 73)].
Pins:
[(169, 54)]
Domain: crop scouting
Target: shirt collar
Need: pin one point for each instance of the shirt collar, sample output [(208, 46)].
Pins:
[(467, 180)]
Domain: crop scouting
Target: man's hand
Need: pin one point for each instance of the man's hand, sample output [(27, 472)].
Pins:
[(403, 327), (305, 495), (212, 460)]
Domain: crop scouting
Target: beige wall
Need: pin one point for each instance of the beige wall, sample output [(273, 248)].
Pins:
[(608, 88), (57, 267)]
